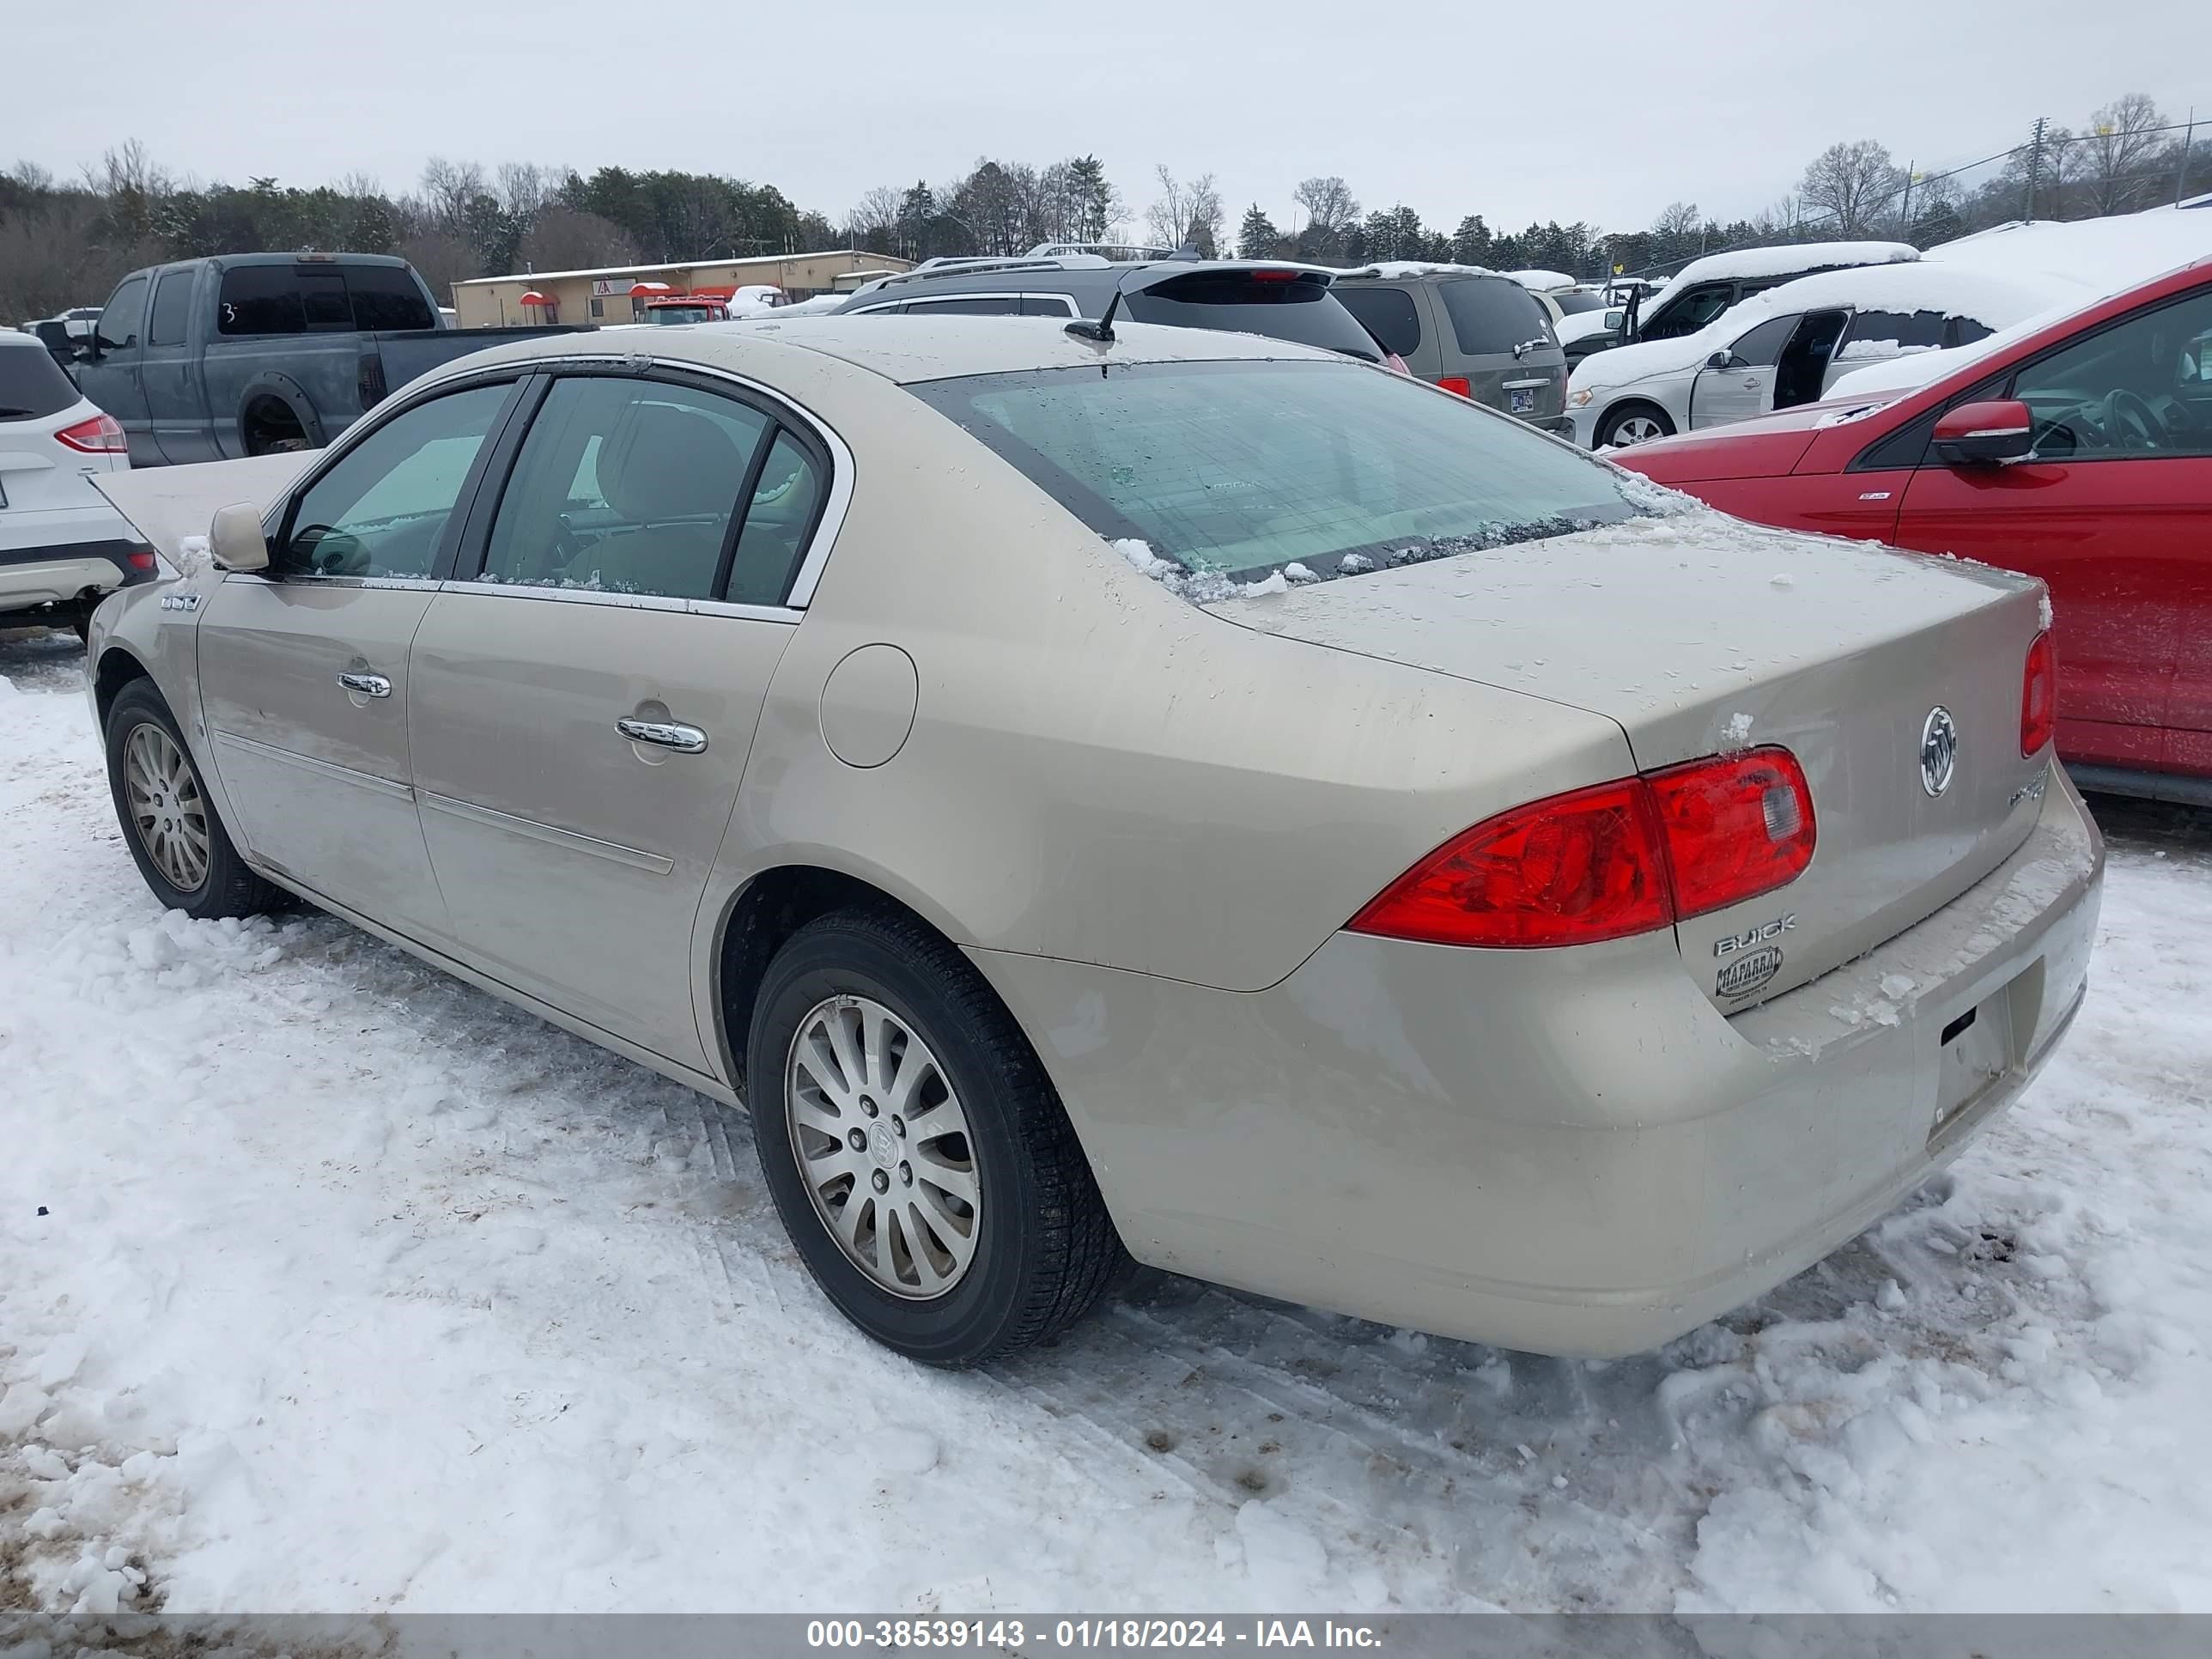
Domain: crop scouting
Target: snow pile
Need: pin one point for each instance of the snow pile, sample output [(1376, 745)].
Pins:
[(1204, 586), (356, 1289)]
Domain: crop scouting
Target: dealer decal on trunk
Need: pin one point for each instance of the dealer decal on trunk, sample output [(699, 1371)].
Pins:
[(1748, 972)]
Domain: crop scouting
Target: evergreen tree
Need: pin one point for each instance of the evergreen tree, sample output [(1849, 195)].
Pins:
[(1257, 237)]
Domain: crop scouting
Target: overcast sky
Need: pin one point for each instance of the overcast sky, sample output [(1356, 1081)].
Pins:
[(1604, 111)]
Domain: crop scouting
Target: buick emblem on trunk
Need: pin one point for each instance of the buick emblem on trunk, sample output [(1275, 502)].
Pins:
[(1939, 751)]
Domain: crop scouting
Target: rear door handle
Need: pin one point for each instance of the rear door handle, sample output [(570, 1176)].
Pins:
[(368, 685), (664, 734)]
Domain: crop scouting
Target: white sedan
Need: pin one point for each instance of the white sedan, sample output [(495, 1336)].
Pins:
[(1788, 344)]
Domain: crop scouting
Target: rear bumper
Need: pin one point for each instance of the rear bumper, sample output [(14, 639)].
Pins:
[(1573, 1151), (60, 573)]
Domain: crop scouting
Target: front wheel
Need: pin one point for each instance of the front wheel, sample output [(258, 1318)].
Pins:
[(916, 1150), (174, 833), (1634, 423)]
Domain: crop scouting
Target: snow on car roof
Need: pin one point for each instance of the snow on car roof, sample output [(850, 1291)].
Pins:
[(1780, 262), (912, 349), (1994, 300), (1542, 281), (1399, 269)]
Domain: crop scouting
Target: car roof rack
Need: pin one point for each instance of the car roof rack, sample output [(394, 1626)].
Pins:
[(965, 266), (1112, 253)]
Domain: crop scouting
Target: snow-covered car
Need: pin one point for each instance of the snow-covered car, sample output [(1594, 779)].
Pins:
[(2104, 256), (1703, 289), (1085, 791), (62, 546), (1785, 346)]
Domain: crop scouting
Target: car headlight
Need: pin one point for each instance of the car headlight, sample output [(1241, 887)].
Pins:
[(1579, 399)]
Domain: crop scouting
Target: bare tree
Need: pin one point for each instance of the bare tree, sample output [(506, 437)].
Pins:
[(2120, 153), (1852, 184), (564, 238), (442, 258), (1331, 212), (1185, 214), (1677, 220), (449, 190)]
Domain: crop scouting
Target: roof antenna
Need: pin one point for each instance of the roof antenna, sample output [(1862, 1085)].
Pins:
[(1101, 331)]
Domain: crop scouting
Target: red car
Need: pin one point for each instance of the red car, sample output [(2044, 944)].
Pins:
[(2080, 452)]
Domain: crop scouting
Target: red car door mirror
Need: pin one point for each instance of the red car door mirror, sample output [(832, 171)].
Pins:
[(1985, 433)]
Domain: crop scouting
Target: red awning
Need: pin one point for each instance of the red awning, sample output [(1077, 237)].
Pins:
[(534, 298), (646, 290)]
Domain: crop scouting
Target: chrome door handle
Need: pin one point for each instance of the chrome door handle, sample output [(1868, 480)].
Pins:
[(664, 734), (368, 685)]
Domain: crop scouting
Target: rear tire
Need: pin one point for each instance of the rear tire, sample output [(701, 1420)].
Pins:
[(1634, 423), (1040, 1249), (173, 831)]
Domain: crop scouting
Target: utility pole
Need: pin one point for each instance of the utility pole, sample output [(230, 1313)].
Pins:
[(2034, 165), (2181, 167), (1905, 208)]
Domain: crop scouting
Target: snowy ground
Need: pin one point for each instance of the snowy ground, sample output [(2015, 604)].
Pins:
[(328, 1284)]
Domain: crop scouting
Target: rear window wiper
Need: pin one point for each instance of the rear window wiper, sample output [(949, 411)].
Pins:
[(9, 412)]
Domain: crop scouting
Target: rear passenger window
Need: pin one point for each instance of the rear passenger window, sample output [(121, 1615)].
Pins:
[(1047, 304), (626, 486), (1877, 336), (1389, 314), (172, 301), (786, 501), (261, 299)]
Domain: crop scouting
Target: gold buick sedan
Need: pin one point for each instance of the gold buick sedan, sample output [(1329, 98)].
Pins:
[(1098, 792)]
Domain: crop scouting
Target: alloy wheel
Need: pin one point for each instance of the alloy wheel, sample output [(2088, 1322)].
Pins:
[(167, 811), (882, 1146), (1636, 429)]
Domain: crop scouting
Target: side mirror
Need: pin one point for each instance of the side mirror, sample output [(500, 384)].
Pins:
[(235, 538), (1718, 359), (1615, 318), (1984, 435)]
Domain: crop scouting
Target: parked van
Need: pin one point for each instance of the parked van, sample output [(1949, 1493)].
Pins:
[(1469, 330)]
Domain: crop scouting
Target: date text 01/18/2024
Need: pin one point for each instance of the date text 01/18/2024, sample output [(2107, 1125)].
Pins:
[(1018, 1635)]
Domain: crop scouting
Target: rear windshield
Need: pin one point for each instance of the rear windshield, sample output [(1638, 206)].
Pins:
[(319, 299), (1571, 304), (1208, 475), (32, 384), (1493, 313), (1300, 309)]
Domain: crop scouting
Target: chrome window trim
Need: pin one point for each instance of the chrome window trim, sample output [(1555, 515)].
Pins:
[(403, 584), (789, 616), (392, 786), (671, 603), (531, 829)]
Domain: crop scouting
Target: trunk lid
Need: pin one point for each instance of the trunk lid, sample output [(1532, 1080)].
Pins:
[(1699, 634)]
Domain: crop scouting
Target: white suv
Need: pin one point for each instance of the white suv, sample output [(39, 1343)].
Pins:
[(62, 546)]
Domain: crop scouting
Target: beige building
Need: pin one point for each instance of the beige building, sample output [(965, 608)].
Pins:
[(605, 296)]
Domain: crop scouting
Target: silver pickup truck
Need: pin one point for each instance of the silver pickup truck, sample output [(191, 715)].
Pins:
[(250, 354)]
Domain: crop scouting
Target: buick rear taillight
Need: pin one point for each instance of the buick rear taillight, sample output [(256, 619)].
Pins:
[(1458, 384), (100, 436), (2039, 696), (1737, 826), (1628, 857)]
